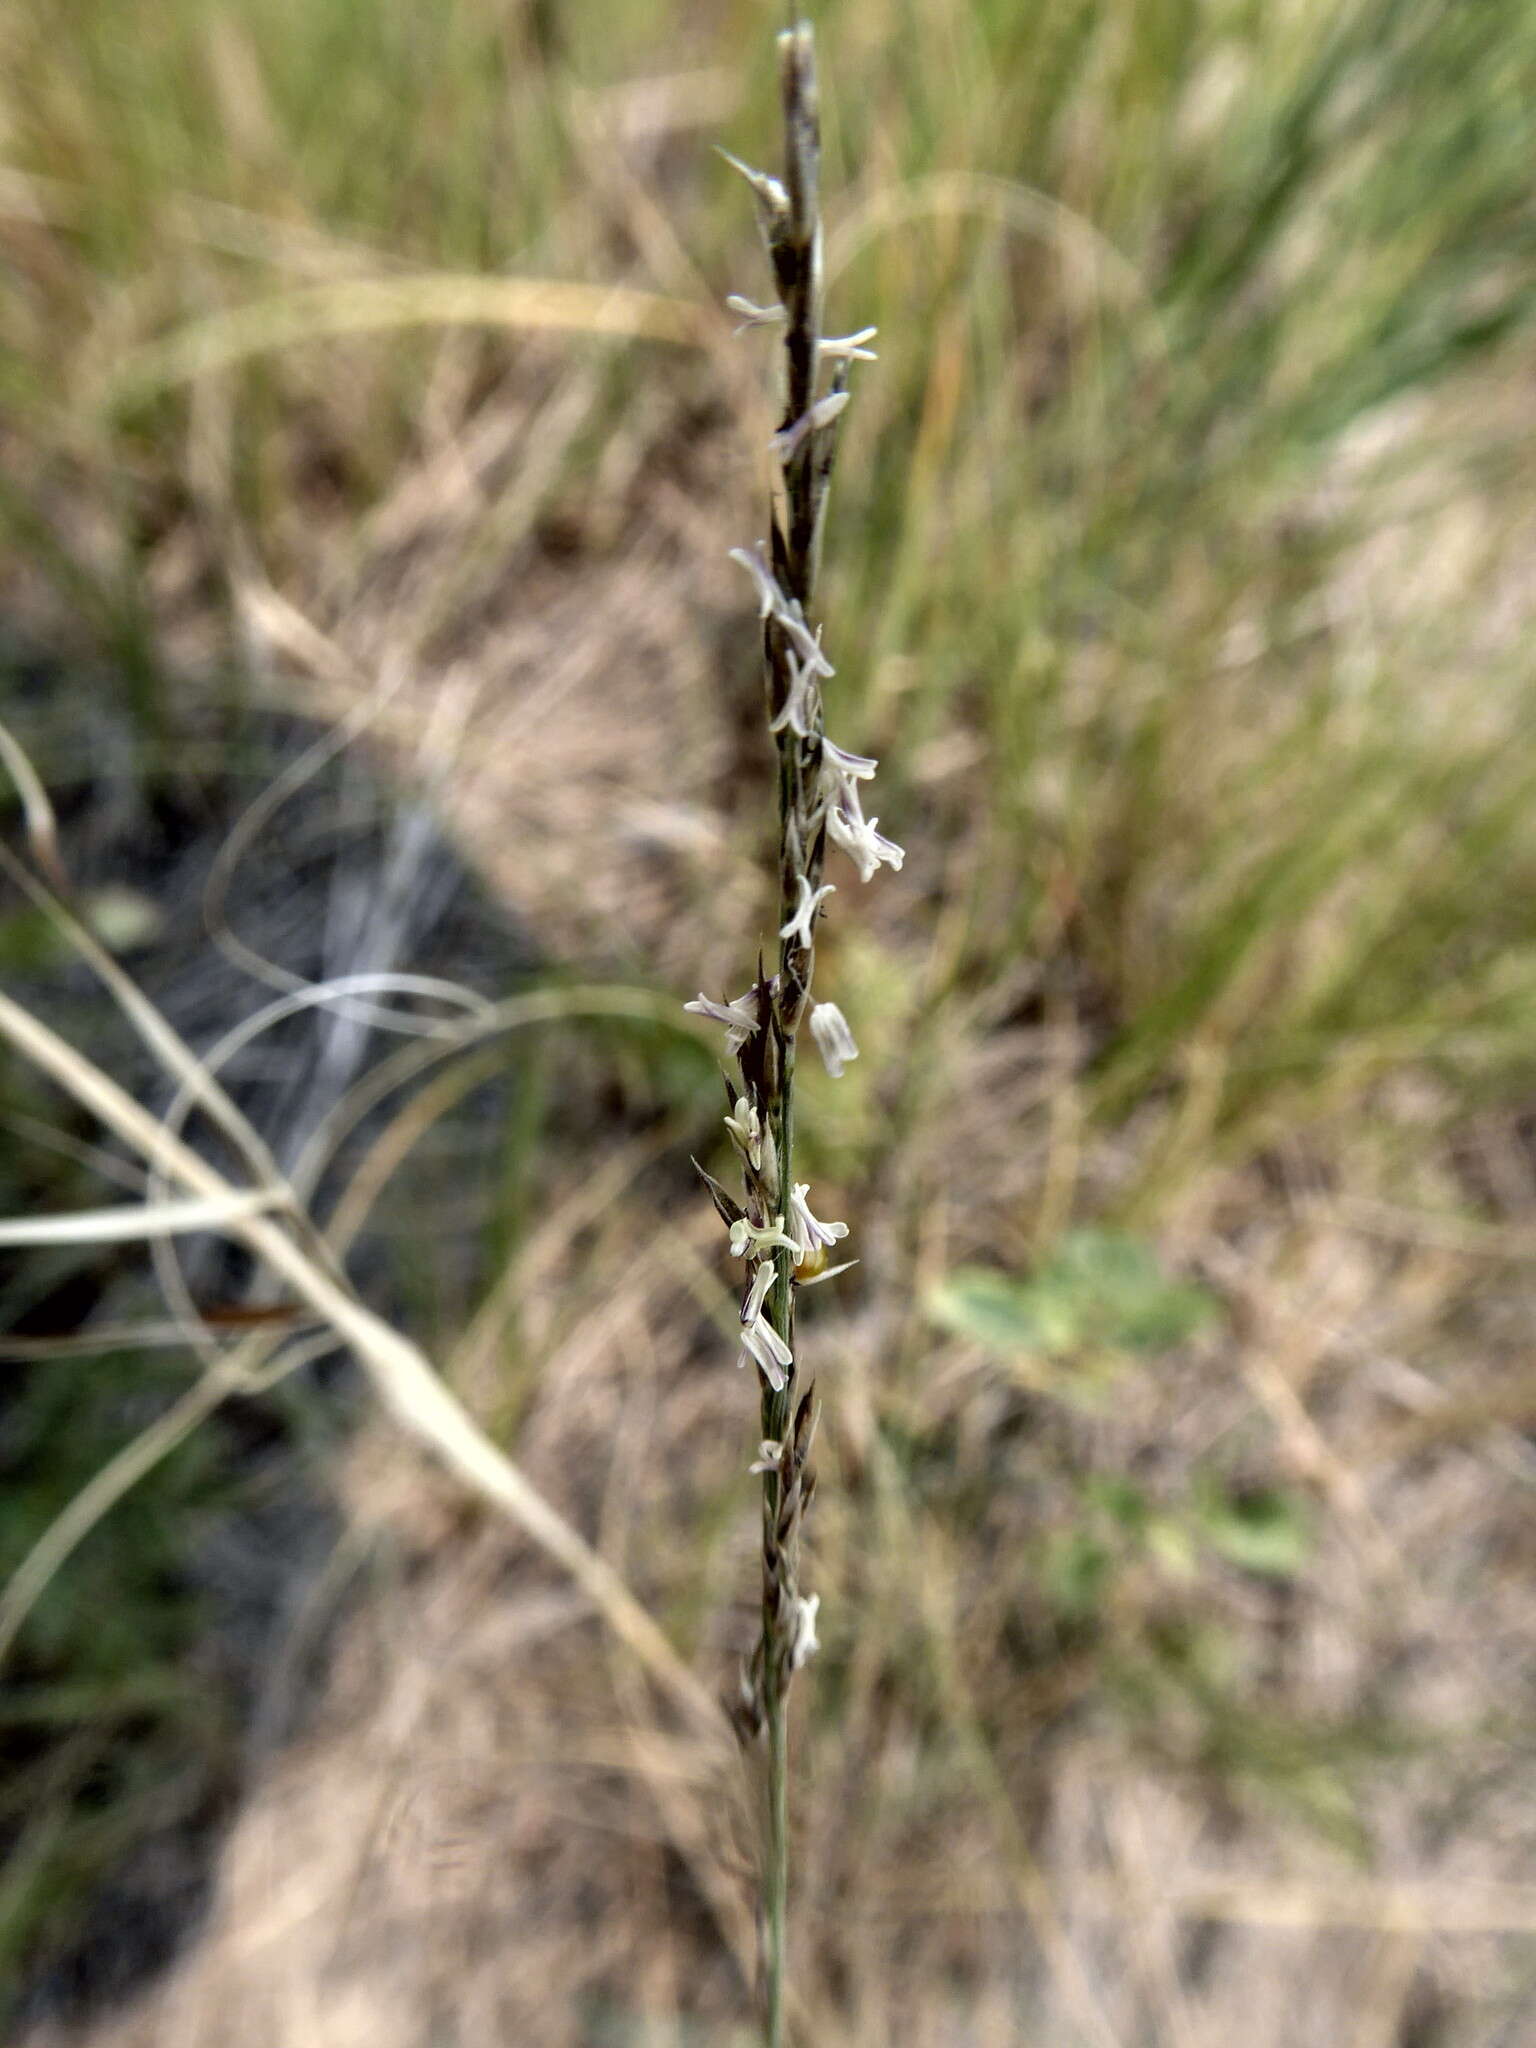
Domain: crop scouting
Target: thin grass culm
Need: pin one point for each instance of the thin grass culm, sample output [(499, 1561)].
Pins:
[(772, 1228)]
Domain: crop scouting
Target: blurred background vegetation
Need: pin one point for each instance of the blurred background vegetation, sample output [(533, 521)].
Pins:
[(362, 372)]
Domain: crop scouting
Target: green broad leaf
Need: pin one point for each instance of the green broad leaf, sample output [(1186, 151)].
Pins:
[(1076, 1574), (1098, 1290), (991, 1308), (1266, 1531), (1171, 1544), (1125, 1504)]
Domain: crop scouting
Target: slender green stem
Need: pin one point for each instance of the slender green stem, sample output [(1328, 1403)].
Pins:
[(776, 1867)]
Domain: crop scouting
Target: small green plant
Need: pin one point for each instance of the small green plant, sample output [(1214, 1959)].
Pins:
[(1097, 1298), (1263, 1530)]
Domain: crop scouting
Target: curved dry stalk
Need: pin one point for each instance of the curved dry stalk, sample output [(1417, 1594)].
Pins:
[(378, 305), (135, 1461), (106, 1165), (42, 826), (596, 1194), (538, 1006), (390, 1149), (400, 1373), (130, 1222), (260, 811), (1010, 203), (144, 1335), (197, 1072), (157, 1036)]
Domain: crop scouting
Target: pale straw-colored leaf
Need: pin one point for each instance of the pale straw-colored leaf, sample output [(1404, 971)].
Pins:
[(127, 1221), (383, 305)]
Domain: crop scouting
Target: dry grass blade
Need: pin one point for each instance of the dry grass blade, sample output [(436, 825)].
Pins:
[(258, 814), (128, 1221), (385, 304), (235, 1374), (947, 195), (401, 1375), (37, 809), (541, 1006), (389, 1151), (197, 1073), (147, 1335), (142, 1014)]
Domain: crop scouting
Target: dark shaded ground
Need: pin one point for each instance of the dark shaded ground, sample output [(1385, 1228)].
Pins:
[(170, 1658)]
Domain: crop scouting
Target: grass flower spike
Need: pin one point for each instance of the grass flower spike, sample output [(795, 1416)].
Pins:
[(801, 925), (834, 1041), (772, 1225)]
